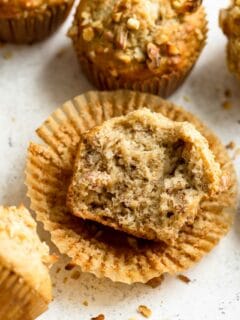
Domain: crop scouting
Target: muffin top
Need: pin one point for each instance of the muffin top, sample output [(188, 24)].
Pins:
[(138, 36), (143, 174), (22, 251), (10, 8), (230, 19)]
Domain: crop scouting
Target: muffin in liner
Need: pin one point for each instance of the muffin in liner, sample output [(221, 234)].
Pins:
[(25, 285), (27, 26), (101, 250), (107, 74)]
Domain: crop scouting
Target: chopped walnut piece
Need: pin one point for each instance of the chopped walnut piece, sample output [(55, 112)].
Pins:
[(145, 311), (100, 317), (186, 6), (121, 38), (117, 16), (123, 57), (88, 34), (133, 24), (183, 278), (153, 55)]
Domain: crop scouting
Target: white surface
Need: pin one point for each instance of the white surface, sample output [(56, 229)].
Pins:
[(32, 84)]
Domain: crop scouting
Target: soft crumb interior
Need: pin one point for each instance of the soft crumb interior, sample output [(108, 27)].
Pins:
[(140, 171)]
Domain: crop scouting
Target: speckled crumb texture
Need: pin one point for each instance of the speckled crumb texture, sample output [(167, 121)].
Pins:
[(32, 24), (98, 249), (25, 285)]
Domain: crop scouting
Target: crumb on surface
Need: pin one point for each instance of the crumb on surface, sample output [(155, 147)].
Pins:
[(186, 98), (144, 311), (7, 55), (85, 303), (227, 93), (58, 270), (231, 145), (227, 105), (155, 282), (75, 275), (60, 53), (183, 278), (99, 317)]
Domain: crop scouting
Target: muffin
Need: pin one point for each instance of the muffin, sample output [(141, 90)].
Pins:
[(102, 250), (229, 21), (25, 285), (143, 174), (28, 21), (144, 45)]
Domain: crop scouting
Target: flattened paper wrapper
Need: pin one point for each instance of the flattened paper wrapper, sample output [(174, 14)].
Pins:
[(98, 249)]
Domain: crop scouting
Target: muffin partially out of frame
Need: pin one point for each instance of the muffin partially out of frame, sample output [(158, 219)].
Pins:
[(144, 45), (25, 285), (103, 250), (143, 174), (28, 21), (229, 21)]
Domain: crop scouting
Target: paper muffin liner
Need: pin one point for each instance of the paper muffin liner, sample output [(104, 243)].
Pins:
[(163, 86), (34, 27), (102, 250), (17, 299)]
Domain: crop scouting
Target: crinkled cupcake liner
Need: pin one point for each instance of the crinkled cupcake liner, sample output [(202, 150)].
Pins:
[(34, 27), (98, 249)]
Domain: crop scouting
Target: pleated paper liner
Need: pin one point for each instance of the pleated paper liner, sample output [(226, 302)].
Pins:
[(34, 26), (98, 249), (17, 299), (163, 85)]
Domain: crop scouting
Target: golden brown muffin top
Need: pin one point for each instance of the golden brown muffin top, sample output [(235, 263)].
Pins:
[(10, 8), (230, 19), (157, 34)]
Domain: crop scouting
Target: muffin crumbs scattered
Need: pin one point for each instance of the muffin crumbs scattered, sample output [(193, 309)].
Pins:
[(231, 145), (85, 303), (7, 55), (144, 311), (155, 282), (99, 317), (183, 278)]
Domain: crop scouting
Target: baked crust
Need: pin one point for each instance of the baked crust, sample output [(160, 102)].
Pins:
[(100, 250)]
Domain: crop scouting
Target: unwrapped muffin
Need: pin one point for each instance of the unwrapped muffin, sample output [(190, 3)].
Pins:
[(229, 20), (102, 250), (25, 285), (28, 21), (143, 174), (145, 45)]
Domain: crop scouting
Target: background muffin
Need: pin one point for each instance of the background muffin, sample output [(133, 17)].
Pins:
[(27, 21), (25, 285), (146, 45), (229, 21)]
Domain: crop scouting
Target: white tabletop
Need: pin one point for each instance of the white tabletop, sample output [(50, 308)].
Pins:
[(34, 80)]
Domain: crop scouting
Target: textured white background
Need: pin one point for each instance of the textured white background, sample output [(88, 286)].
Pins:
[(32, 84)]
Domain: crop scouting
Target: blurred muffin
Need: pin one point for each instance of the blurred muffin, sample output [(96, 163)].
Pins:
[(145, 45), (25, 285), (143, 174), (229, 20), (28, 21)]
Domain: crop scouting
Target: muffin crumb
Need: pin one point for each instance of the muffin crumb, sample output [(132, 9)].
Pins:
[(231, 145), (227, 105), (144, 311), (99, 317), (183, 278), (155, 282)]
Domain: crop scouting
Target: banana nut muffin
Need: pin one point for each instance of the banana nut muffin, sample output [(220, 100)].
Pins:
[(143, 174), (25, 285), (145, 45), (230, 23), (27, 21)]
